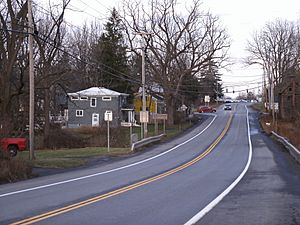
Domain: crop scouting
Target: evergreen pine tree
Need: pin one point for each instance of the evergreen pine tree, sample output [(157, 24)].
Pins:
[(210, 81), (111, 54)]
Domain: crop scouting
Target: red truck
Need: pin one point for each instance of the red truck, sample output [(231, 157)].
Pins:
[(13, 145)]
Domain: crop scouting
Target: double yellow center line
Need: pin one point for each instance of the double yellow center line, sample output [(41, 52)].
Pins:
[(126, 188)]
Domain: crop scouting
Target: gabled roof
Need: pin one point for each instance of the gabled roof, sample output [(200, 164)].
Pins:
[(97, 92)]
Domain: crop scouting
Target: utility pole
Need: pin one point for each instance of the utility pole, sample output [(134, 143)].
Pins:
[(272, 99), (31, 82), (264, 88), (269, 90), (144, 112), (143, 91)]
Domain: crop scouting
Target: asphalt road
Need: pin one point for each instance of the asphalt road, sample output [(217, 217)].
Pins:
[(168, 184), (270, 191)]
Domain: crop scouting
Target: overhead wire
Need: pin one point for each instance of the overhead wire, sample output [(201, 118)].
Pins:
[(87, 13), (134, 80), (83, 61), (124, 76), (71, 25), (113, 74), (77, 27)]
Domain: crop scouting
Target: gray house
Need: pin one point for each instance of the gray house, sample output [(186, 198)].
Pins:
[(87, 107)]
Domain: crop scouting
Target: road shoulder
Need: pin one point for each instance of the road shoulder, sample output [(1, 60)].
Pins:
[(269, 193)]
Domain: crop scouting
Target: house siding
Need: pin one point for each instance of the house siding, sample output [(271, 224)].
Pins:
[(101, 106)]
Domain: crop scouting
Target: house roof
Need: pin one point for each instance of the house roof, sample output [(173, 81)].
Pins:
[(96, 92)]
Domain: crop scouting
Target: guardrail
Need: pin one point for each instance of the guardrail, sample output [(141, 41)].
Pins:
[(292, 149), (146, 141)]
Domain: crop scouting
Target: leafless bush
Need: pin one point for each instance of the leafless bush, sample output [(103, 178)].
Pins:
[(13, 169), (88, 137)]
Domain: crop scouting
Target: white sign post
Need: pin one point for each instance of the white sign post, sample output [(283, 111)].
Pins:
[(108, 116), (183, 108), (276, 106), (206, 99), (144, 119)]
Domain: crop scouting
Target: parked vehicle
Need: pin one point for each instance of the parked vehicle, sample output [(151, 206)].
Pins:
[(13, 145), (206, 109), (227, 107)]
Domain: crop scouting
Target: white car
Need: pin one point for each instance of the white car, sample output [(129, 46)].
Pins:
[(227, 107)]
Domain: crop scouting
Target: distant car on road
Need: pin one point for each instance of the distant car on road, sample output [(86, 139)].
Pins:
[(228, 101), (206, 109), (227, 107)]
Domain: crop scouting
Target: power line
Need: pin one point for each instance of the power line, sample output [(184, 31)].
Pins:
[(85, 62), (173, 87), (103, 5), (81, 60), (128, 77), (93, 8), (102, 64), (89, 14), (75, 9)]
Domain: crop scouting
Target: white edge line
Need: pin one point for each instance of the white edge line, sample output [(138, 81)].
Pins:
[(108, 171), (212, 204)]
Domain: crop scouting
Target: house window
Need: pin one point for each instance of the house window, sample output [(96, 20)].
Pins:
[(84, 98), (79, 113), (93, 102), (106, 98), (74, 97)]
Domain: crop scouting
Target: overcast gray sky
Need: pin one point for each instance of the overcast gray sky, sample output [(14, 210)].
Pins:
[(241, 18)]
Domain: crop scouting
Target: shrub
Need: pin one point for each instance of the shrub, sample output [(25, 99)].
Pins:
[(13, 169), (87, 137), (59, 138)]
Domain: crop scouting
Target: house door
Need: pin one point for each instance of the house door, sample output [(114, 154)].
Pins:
[(95, 120)]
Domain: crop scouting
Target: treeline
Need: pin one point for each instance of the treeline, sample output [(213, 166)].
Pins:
[(276, 47), (184, 51)]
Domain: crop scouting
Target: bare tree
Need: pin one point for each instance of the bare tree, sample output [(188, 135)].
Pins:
[(51, 33), (83, 44), (13, 26), (179, 44), (276, 49)]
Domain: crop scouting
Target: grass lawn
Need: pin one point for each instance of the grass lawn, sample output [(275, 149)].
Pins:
[(171, 131), (70, 158)]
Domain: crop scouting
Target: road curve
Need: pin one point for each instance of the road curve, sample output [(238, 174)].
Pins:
[(174, 198), (270, 191)]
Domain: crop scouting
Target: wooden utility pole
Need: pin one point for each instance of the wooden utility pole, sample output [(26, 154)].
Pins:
[(143, 91), (144, 129), (31, 81), (272, 99)]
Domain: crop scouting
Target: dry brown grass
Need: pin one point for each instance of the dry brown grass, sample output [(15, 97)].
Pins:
[(87, 137), (287, 129), (13, 169), (290, 131)]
